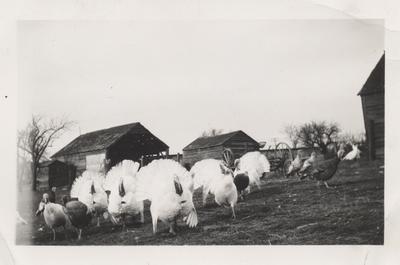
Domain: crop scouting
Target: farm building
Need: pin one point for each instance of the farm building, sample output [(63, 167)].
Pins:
[(100, 150), (212, 147), (373, 104), (54, 173)]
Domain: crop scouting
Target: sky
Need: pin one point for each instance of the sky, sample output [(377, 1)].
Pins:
[(180, 78)]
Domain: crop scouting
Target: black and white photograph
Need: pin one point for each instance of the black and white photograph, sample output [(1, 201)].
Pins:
[(194, 132)]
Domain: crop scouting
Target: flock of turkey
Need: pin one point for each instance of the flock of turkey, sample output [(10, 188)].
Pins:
[(169, 187)]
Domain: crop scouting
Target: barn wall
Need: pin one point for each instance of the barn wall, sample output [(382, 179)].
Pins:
[(95, 162), (374, 119), (78, 160), (374, 105), (241, 145), (192, 156)]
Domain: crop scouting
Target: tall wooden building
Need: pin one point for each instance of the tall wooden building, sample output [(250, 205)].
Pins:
[(213, 147), (373, 103), (100, 150)]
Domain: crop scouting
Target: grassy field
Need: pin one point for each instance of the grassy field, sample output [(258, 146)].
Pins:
[(283, 212)]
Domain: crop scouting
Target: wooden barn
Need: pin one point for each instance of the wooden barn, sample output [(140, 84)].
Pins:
[(54, 173), (373, 103), (212, 147), (100, 150)]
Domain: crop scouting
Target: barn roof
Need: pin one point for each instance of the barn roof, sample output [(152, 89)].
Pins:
[(211, 141), (376, 80), (102, 139)]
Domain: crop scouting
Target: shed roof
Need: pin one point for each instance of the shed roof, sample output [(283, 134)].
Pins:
[(102, 139), (376, 80), (211, 141), (49, 162), (46, 163)]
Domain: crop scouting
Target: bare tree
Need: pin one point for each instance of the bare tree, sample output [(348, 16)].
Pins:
[(37, 137), (353, 138), (291, 132), (212, 132), (318, 134)]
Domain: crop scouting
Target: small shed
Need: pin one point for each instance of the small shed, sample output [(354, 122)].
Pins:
[(102, 149), (54, 173), (373, 104), (212, 147)]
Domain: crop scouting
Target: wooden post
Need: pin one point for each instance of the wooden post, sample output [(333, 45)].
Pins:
[(141, 161)]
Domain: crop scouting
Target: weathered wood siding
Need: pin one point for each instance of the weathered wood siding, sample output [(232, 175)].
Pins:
[(78, 160), (192, 156), (374, 119), (241, 145), (95, 162)]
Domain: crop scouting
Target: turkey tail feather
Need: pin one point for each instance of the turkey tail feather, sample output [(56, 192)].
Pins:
[(192, 220)]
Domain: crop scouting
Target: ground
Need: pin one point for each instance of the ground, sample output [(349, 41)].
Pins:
[(283, 212)]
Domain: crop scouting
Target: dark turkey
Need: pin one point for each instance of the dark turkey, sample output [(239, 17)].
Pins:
[(322, 170), (79, 215), (241, 182), (67, 198)]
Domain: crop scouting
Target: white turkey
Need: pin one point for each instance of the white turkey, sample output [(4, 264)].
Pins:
[(168, 186), (214, 177), (252, 165), (307, 163), (353, 154), (96, 199), (295, 165), (121, 184)]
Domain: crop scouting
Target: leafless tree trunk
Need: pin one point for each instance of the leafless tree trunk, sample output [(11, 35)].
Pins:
[(212, 132), (291, 132), (37, 137)]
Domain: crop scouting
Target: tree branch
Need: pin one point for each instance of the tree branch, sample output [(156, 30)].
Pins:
[(38, 136)]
